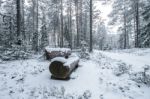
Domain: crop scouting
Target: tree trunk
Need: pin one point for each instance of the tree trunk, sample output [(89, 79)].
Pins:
[(77, 21), (62, 30), (91, 24), (35, 41), (137, 24), (18, 20), (125, 33), (80, 20), (37, 22), (22, 21), (37, 15), (70, 19)]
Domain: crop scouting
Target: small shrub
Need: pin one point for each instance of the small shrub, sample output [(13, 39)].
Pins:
[(122, 69), (84, 50), (143, 76)]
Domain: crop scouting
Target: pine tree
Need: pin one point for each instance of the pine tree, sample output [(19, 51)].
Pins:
[(91, 26), (145, 35)]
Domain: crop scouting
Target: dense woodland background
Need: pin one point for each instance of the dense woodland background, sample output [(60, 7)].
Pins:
[(30, 25)]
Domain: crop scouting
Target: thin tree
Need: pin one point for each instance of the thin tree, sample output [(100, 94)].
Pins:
[(23, 21), (62, 30), (91, 24), (137, 23), (70, 22), (35, 43), (77, 20), (18, 22)]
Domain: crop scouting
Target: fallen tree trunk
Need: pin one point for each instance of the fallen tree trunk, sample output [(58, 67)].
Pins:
[(51, 53), (61, 68)]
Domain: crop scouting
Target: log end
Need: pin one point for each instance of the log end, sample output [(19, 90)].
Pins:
[(62, 68), (58, 70)]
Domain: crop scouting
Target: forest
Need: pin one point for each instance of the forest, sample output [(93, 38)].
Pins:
[(102, 47), (34, 24)]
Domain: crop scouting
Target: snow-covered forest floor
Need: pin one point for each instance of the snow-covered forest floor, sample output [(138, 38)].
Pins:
[(106, 75)]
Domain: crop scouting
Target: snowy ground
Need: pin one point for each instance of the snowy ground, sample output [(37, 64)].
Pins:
[(96, 78)]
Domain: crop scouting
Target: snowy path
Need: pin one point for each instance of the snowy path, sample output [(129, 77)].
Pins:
[(94, 79), (137, 60), (82, 80), (26, 79)]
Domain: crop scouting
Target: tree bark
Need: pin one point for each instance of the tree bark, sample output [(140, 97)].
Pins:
[(77, 21), (62, 30), (125, 33), (137, 24), (70, 22), (35, 41), (18, 20), (91, 24), (80, 21)]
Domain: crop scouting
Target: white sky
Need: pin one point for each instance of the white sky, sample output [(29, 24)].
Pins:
[(106, 9)]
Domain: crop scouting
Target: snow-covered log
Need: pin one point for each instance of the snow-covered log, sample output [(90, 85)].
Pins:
[(51, 53), (61, 68)]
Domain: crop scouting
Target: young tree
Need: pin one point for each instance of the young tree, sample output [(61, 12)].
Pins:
[(101, 35)]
